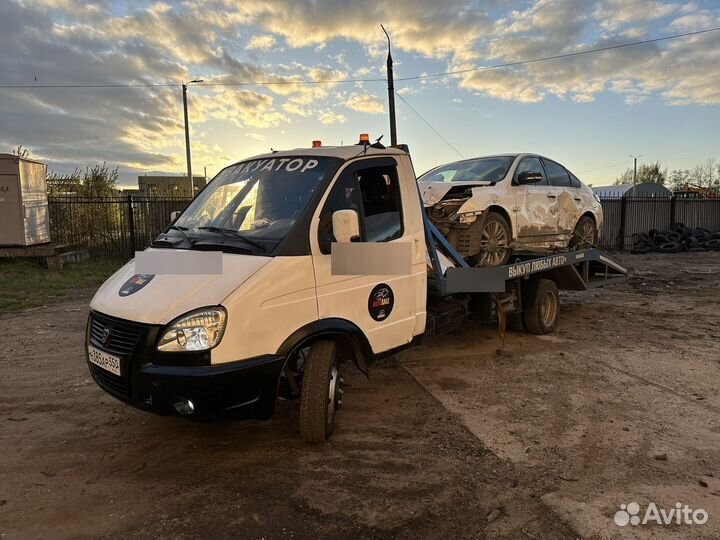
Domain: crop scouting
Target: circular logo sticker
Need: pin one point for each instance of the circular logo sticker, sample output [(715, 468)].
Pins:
[(135, 283), (381, 302)]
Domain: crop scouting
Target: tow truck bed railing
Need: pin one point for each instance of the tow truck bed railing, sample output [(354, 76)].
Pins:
[(571, 270)]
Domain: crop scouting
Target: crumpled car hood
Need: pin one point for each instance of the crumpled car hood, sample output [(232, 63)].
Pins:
[(433, 192)]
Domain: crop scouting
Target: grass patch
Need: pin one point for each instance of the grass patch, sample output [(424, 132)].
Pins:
[(25, 284)]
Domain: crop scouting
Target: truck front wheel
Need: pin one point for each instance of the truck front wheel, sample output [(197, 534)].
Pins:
[(321, 392)]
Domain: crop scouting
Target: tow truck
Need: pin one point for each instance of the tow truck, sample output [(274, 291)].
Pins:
[(290, 264)]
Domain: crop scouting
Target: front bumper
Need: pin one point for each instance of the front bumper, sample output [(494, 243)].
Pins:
[(246, 388)]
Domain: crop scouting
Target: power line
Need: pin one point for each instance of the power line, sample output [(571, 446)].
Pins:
[(128, 85), (557, 56), (410, 78), (673, 158), (179, 85), (623, 164), (429, 125)]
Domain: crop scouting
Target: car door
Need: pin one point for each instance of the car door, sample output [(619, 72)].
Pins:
[(536, 214), (385, 307), (568, 201)]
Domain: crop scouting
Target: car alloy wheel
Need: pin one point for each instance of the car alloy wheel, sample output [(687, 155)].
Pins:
[(494, 243)]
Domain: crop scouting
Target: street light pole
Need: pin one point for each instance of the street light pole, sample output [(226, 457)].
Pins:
[(187, 135), (391, 92), (635, 158)]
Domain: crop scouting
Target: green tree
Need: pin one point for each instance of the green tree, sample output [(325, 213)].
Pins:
[(87, 209), (96, 181), (678, 178), (21, 151), (705, 175), (647, 173)]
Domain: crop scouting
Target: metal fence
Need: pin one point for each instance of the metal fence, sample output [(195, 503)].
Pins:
[(110, 226), (624, 217), (118, 226)]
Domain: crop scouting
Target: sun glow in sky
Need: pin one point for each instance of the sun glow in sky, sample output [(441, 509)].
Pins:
[(588, 112)]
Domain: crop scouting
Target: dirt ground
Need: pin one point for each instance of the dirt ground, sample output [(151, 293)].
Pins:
[(465, 437)]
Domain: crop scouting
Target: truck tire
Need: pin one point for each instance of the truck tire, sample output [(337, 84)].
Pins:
[(669, 247), (495, 238), (713, 244), (542, 307), (321, 392)]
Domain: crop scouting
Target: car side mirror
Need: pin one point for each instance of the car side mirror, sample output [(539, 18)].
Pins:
[(346, 225), (174, 215), (529, 177)]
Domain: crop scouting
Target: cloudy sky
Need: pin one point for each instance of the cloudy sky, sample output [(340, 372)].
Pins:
[(660, 100)]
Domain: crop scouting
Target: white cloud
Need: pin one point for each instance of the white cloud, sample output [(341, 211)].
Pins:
[(76, 42), (698, 21), (612, 14), (366, 103), (330, 117), (262, 43)]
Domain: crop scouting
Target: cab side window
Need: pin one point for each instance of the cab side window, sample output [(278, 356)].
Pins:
[(374, 193), (532, 164), (382, 215), (557, 175)]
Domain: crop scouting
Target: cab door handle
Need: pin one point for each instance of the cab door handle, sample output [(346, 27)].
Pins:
[(551, 196)]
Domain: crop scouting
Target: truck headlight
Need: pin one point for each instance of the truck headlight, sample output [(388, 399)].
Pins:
[(195, 331)]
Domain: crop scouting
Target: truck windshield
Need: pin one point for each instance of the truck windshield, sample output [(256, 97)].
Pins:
[(486, 169), (254, 202)]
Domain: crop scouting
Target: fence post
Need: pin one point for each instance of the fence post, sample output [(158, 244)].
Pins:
[(621, 234), (131, 223), (672, 210)]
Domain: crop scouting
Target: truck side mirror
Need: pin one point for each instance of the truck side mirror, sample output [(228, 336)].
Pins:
[(174, 215), (346, 225), (529, 177)]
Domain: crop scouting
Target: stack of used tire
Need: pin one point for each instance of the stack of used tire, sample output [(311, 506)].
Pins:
[(676, 239)]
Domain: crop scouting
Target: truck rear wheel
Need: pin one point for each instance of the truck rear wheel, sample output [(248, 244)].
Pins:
[(321, 392), (542, 307)]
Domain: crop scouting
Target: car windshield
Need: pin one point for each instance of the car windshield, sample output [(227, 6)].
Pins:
[(255, 202), (486, 169)]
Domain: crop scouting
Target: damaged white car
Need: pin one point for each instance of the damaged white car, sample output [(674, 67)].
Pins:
[(489, 207)]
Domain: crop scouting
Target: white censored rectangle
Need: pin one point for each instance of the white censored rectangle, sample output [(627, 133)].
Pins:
[(182, 262), (370, 258)]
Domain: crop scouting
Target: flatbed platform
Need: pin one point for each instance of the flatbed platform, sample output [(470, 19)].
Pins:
[(522, 294)]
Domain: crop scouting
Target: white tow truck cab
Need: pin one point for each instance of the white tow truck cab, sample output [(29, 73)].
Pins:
[(240, 299)]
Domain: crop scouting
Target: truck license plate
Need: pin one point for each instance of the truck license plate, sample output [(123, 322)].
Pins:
[(104, 360)]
